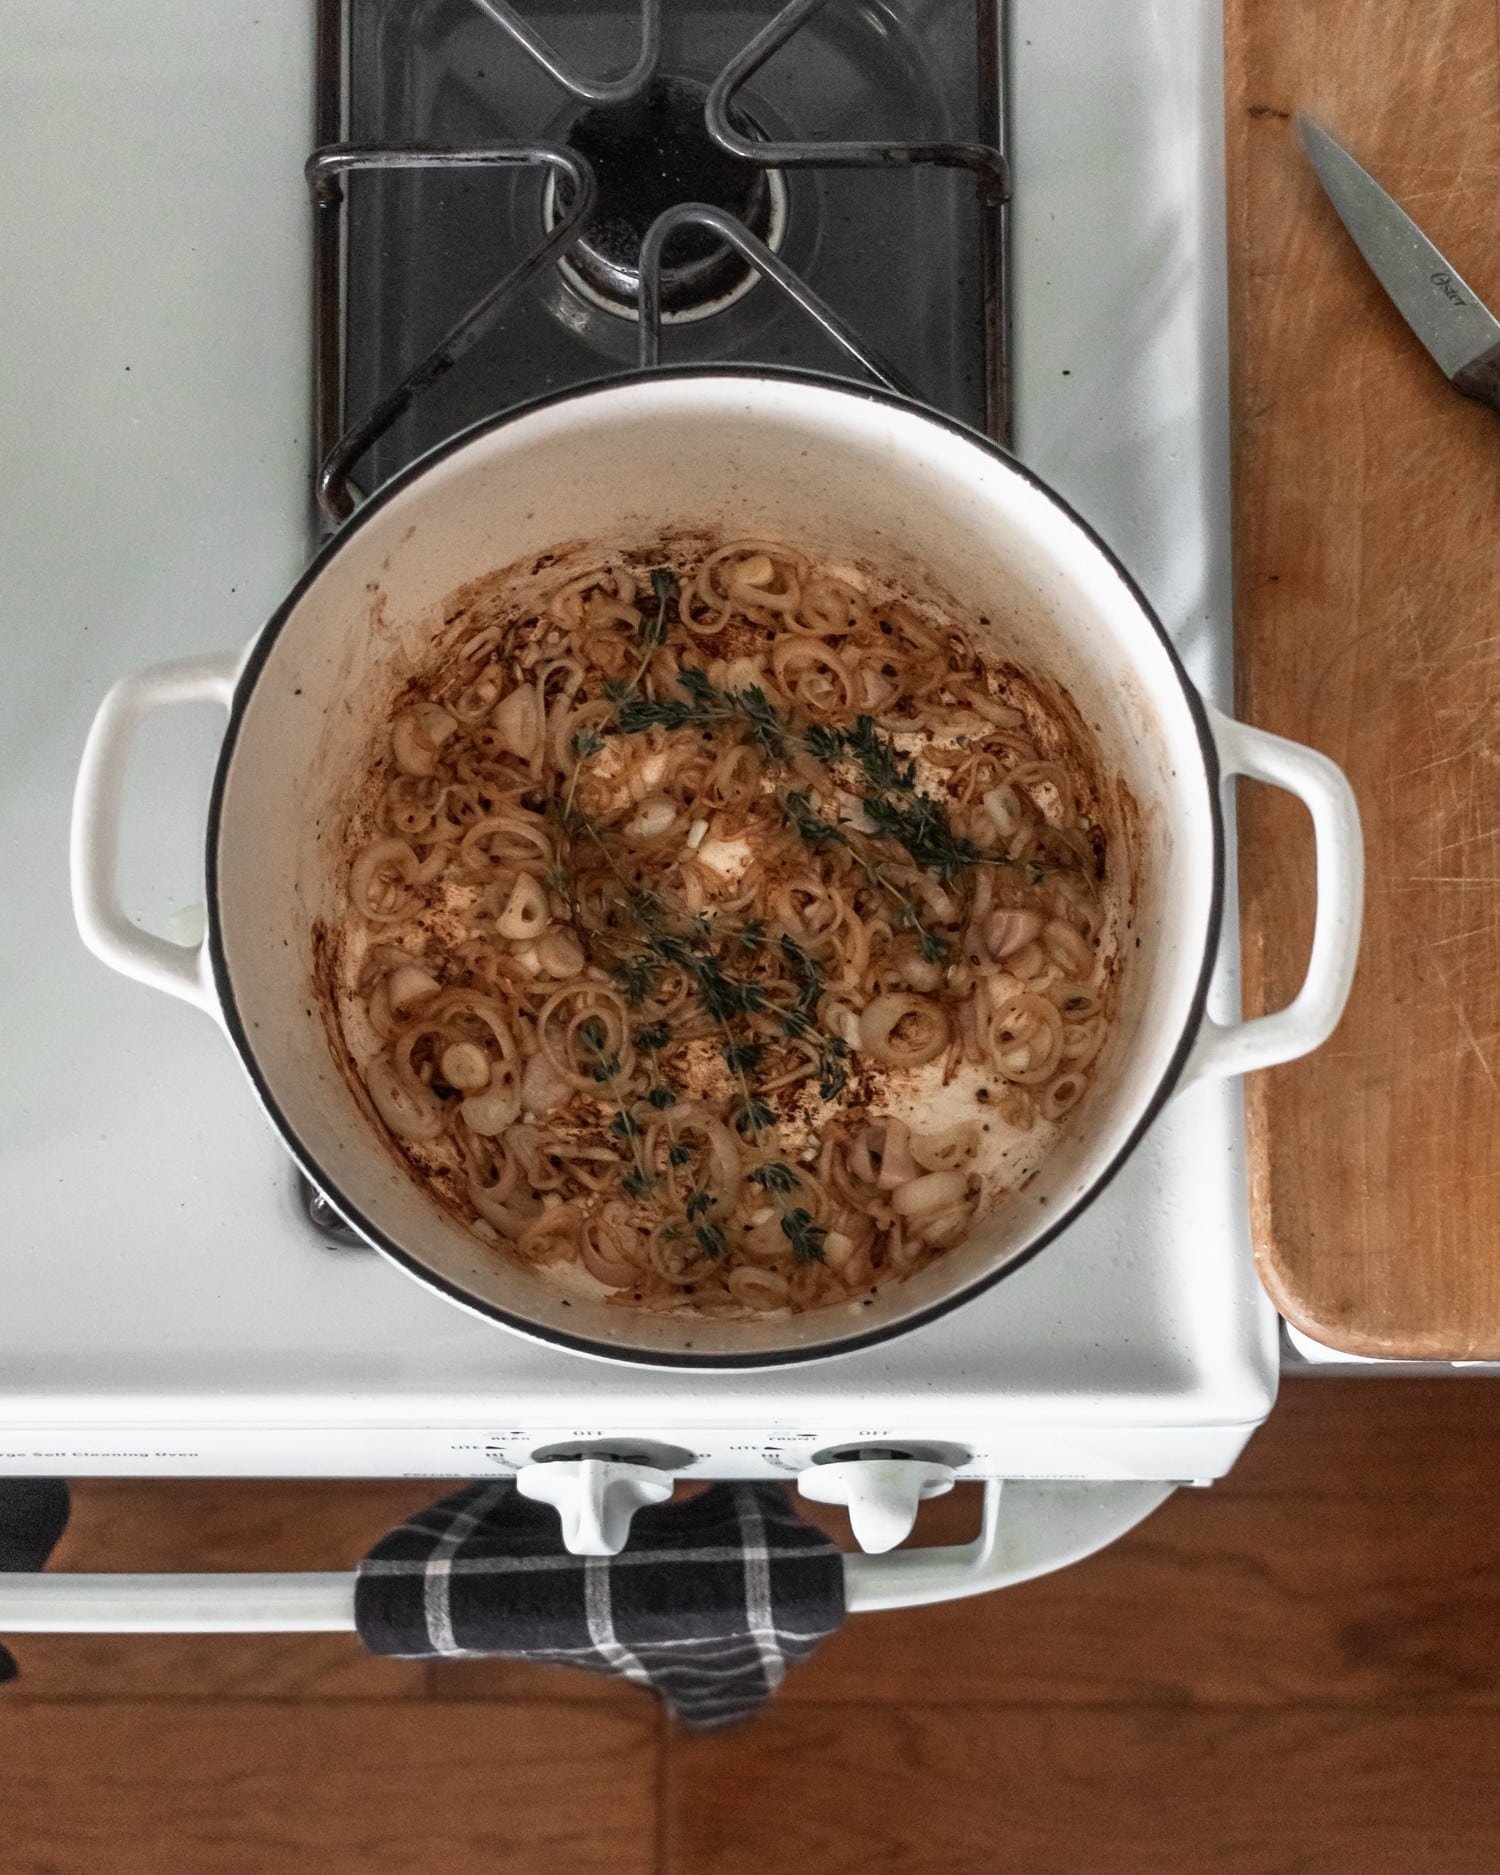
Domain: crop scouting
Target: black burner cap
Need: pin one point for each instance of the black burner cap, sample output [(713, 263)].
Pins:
[(649, 154)]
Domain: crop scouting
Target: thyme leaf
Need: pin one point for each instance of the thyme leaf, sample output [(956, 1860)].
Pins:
[(833, 1073), (636, 976), (753, 1115), (774, 1176), (805, 1237)]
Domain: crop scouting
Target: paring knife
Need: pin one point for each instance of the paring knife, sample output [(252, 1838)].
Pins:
[(1449, 318)]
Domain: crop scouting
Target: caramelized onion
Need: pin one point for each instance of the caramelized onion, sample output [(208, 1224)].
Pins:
[(946, 1151), (518, 722), (926, 1196), (417, 735), (542, 1087), (552, 1235), (490, 1112), (1005, 932), (610, 1249), (410, 1112), (657, 891), (904, 1031), (379, 880), (525, 915), (407, 986), (758, 1289)]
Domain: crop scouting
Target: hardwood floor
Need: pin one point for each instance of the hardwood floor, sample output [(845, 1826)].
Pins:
[(1297, 1670)]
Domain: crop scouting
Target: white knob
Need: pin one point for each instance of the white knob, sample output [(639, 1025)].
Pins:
[(882, 1494), (595, 1498)]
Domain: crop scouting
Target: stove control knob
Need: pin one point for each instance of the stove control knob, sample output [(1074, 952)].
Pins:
[(595, 1498), (882, 1493)]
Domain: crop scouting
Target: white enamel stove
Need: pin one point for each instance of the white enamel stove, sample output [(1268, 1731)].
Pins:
[(164, 1307)]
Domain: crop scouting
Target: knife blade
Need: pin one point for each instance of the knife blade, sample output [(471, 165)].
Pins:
[(1439, 305)]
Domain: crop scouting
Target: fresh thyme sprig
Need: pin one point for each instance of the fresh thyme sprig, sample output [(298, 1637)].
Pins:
[(897, 808), (593, 1038), (654, 630), (724, 996), (778, 1179), (803, 818), (702, 705), (584, 743)]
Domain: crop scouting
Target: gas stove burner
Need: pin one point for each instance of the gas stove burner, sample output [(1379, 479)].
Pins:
[(648, 154), (425, 247)]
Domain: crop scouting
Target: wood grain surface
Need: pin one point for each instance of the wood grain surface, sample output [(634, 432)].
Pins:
[(954, 1790), (1367, 518), (321, 1787)]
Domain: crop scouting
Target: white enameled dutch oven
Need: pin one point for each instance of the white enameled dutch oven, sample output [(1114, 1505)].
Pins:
[(840, 472)]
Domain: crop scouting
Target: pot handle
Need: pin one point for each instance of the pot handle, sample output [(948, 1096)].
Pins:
[(114, 938), (1310, 1018)]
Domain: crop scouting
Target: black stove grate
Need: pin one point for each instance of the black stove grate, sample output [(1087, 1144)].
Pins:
[(459, 270)]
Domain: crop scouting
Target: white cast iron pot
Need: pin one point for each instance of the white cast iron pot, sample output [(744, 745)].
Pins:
[(837, 471)]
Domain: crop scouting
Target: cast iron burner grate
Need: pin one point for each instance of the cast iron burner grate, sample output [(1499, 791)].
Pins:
[(823, 188)]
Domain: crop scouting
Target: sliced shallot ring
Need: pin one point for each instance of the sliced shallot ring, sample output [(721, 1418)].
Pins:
[(525, 916), (499, 1106), (518, 722), (411, 1112), (926, 1033), (384, 857)]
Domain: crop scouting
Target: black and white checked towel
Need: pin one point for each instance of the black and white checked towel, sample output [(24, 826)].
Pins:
[(708, 1603)]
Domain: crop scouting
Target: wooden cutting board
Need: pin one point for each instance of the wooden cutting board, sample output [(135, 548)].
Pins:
[(1367, 520)]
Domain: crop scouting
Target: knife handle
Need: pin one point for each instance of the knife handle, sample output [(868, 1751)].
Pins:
[(1481, 378)]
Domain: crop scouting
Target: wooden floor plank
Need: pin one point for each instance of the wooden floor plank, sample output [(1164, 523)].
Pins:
[(954, 1790), (507, 1681), (1375, 1436), (205, 1666), (1213, 1601), (356, 1788)]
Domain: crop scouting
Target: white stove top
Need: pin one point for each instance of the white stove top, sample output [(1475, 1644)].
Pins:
[(163, 1306)]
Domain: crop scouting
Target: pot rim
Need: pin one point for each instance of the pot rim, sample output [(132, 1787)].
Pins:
[(667, 1359)]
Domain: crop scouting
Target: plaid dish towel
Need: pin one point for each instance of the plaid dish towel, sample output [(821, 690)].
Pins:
[(33, 1515), (708, 1603)]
